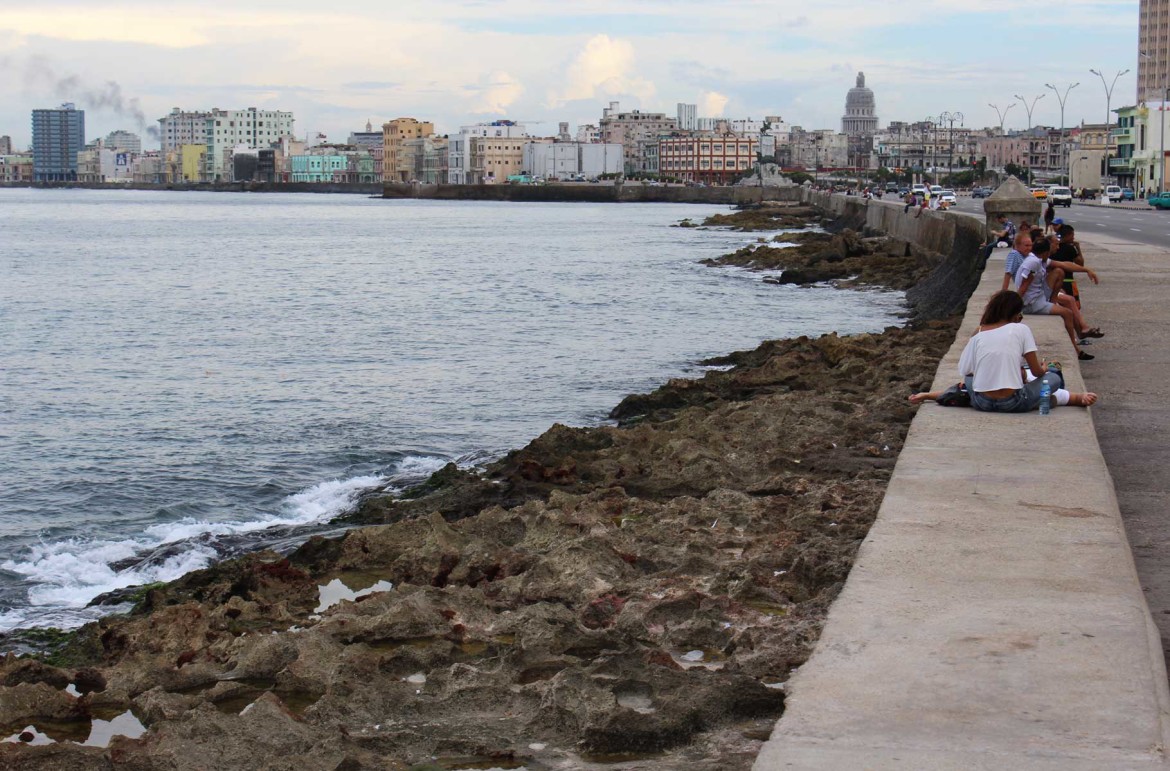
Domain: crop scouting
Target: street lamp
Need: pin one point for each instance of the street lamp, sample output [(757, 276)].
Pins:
[(1108, 113), (949, 118), (1029, 108), (1002, 114), (1063, 154)]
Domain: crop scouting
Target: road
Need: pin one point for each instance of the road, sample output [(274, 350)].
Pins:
[(1135, 223)]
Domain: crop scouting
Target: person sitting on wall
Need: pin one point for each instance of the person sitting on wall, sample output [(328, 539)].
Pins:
[(1041, 295), (990, 364), (1021, 248)]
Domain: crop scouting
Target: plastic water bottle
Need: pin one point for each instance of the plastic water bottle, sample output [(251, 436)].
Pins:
[(1045, 397)]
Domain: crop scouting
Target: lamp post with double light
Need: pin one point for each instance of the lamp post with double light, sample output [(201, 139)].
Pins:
[(1063, 152), (1028, 152), (1108, 114)]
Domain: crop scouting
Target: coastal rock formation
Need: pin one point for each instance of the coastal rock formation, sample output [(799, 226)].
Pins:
[(637, 592)]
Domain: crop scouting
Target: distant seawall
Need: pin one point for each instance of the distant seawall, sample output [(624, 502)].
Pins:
[(366, 188), (587, 193)]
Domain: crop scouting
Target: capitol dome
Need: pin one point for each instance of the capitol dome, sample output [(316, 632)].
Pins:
[(860, 118)]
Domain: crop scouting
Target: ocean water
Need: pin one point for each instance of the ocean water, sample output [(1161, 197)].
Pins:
[(188, 375)]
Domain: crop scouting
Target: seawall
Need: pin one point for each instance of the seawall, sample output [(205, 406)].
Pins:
[(993, 618), (629, 192)]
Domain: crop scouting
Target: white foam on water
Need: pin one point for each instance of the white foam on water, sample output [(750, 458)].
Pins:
[(68, 574)]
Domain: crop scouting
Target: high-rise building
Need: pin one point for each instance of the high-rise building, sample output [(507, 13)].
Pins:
[(5, 145), (58, 135), (1153, 75), (860, 118), (687, 115), (637, 132)]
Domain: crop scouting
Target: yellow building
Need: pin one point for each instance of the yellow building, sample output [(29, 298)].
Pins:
[(191, 162), (397, 166), (494, 159)]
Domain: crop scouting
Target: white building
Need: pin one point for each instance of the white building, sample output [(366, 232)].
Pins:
[(124, 140), (588, 133), (251, 129), (687, 116), (459, 155), (564, 160)]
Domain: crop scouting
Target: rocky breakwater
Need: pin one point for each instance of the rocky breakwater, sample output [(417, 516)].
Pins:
[(626, 596)]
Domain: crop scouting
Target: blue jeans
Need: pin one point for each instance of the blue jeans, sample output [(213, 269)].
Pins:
[(1025, 399)]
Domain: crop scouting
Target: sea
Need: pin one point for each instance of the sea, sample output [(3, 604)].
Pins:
[(186, 375)]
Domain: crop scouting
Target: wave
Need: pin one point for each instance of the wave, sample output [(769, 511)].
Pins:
[(66, 575)]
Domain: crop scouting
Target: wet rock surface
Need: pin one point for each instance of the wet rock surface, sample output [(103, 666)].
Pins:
[(629, 596)]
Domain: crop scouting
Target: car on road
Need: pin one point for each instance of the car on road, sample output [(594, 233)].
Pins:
[(1127, 194), (1113, 193), (1160, 200), (1060, 196), (947, 197), (1039, 193), (981, 192), (891, 187)]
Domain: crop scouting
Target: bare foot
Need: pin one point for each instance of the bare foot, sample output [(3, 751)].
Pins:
[(1082, 400), (920, 397)]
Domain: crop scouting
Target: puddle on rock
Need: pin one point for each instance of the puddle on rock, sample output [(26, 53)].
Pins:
[(704, 658), (336, 591), (92, 732)]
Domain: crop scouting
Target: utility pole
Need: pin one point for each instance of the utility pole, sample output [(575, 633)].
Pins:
[(1002, 114)]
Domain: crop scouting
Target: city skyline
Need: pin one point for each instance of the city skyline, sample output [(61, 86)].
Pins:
[(459, 62)]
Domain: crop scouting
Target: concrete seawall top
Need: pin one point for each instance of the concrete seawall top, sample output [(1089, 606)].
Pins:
[(993, 618)]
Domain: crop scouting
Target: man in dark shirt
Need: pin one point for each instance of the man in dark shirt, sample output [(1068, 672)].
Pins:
[(1068, 251)]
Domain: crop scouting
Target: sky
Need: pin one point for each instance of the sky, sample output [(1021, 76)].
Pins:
[(458, 62)]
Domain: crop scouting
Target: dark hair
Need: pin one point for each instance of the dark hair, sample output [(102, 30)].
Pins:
[(1066, 231), (1003, 306), (1041, 246), (1036, 233)]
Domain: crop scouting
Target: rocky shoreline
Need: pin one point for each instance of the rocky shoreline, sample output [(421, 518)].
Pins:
[(629, 596)]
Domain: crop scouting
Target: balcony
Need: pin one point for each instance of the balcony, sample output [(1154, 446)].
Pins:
[(1121, 164), (1122, 134)]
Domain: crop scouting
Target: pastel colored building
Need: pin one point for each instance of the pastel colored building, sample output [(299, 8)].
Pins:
[(317, 168), (714, 159), (462, 149), (397, 166)]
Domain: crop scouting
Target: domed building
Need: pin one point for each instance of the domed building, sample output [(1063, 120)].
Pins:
[(859, 119)]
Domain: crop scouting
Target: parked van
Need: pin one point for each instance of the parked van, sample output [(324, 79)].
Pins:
[(1113, 193)]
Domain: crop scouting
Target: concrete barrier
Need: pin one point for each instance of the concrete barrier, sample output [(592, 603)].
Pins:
[(993, 618)]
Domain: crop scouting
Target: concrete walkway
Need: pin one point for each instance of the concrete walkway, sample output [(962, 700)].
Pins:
[(994, 618), (1133, 417)]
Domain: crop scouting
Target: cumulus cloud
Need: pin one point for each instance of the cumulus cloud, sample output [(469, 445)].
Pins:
[(712, 103), (604, 67), (496, 93)]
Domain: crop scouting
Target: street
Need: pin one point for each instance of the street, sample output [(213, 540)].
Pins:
[(1133, 222)]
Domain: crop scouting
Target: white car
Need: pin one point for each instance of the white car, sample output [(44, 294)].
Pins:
[(947, 197), (935, 190), (1060, 196), (1113, 193)]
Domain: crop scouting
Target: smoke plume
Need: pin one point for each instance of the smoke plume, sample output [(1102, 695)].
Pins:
[(108, 97)]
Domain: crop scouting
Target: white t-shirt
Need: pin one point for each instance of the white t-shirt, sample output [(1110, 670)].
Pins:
[(995, 357), (1035, 267)]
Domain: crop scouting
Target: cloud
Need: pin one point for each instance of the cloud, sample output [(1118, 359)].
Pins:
[(496, 93), (711, 104), (603, 68)]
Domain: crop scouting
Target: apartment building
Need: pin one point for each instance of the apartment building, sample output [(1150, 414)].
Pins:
[(58, 136), (494, 159), (182, 128), (1153, 75), (460, 155), (124, 140), (397, 166), (638, 133), (426, 158), (16, 167), (713, 159), (229, 131)]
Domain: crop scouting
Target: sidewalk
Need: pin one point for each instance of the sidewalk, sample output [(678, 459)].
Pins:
[(993, 618), (1133, 416)]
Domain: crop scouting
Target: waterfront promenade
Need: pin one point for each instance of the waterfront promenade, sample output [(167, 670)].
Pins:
[(994, 617)]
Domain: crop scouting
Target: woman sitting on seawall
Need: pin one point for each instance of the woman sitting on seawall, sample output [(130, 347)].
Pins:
[(990, 364)]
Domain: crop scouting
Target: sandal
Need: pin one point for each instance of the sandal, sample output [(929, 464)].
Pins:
[(1085, 356), (1094, 332)]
